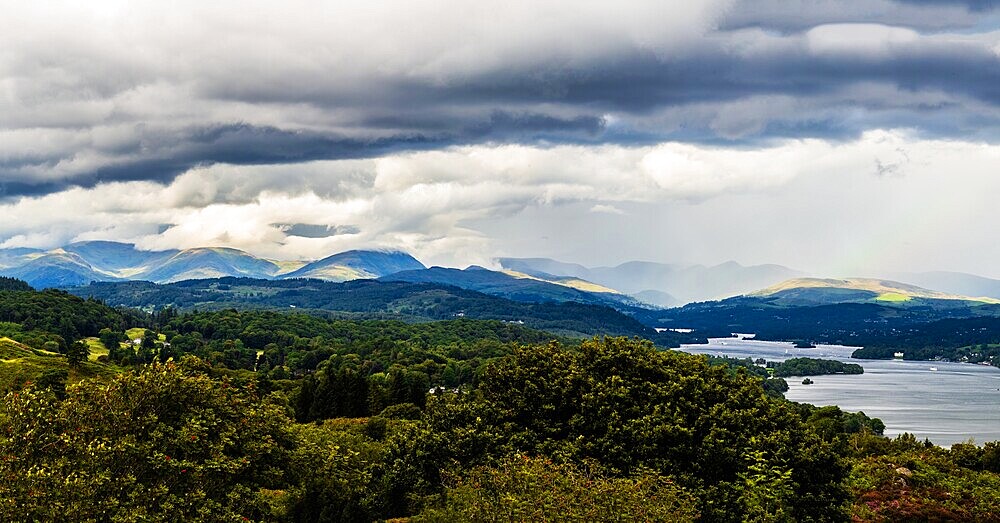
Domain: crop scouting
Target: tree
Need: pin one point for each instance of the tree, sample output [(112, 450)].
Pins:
[(623, 403), (163, 443), (78, 352), (112, 341), (149, 339)]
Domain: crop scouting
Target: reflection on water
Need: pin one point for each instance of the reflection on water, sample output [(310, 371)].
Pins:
[(956, 402)]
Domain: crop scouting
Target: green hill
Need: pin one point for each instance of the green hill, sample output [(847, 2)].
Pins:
[(21, 364), (412, 301), (816, 291)]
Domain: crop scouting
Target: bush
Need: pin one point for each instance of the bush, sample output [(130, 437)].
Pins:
[(402, 411), (520, 488)]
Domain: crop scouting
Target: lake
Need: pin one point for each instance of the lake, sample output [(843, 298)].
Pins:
[(956, 402)]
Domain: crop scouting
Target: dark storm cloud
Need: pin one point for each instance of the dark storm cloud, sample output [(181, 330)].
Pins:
[(532, 126), (972, 5), (740, 72), (308, 230), (244, 144), (799, 15), (237, 144)]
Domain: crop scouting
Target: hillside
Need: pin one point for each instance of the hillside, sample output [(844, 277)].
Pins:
[(21, 364), (565, 281), (208, 262), (854, 311), (413, 301), (815, 291), (518, 286), (658, 298), (120, 259), (57, 268), (16, 256), (37, 328)]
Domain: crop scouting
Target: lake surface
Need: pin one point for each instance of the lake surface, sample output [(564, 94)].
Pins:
[(956, 402)]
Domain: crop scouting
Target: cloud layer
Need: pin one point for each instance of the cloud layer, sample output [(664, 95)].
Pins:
[(121, 91), (433, 203), (301, 127)]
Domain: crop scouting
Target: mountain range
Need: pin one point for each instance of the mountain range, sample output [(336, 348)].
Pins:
[(80, 263), (633, 284)]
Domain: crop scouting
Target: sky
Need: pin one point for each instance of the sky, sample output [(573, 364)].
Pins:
[(847, 137)]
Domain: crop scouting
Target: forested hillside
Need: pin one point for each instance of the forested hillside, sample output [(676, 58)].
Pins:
[(264, 415), (378, 299)]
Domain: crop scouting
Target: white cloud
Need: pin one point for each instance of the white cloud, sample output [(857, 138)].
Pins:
[(606, 209), (866, 40), (132, 90), (430, 202)]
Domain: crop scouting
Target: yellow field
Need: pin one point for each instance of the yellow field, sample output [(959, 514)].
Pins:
[(136, 333), (96, 348), (20, 363), (893, 297)]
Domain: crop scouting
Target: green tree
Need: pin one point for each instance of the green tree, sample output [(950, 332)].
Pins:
[(623, 403), (112, 341), (78, 353), (165, 443), (149, 339)]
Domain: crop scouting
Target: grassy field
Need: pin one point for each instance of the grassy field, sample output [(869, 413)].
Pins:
[(20, 364), (893, 297), (136, 333), (96, 348)]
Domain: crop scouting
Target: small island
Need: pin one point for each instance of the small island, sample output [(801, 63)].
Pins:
[(802, 344), (813, 367), (807, 381)]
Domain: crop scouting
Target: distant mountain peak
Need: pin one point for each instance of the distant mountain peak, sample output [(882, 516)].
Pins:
[(81, 262), (357, 264)]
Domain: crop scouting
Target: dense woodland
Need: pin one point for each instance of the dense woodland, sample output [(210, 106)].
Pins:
[(374, 299), (274, 416)]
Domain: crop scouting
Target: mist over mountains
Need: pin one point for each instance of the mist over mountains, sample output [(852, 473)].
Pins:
[(666, 285)]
